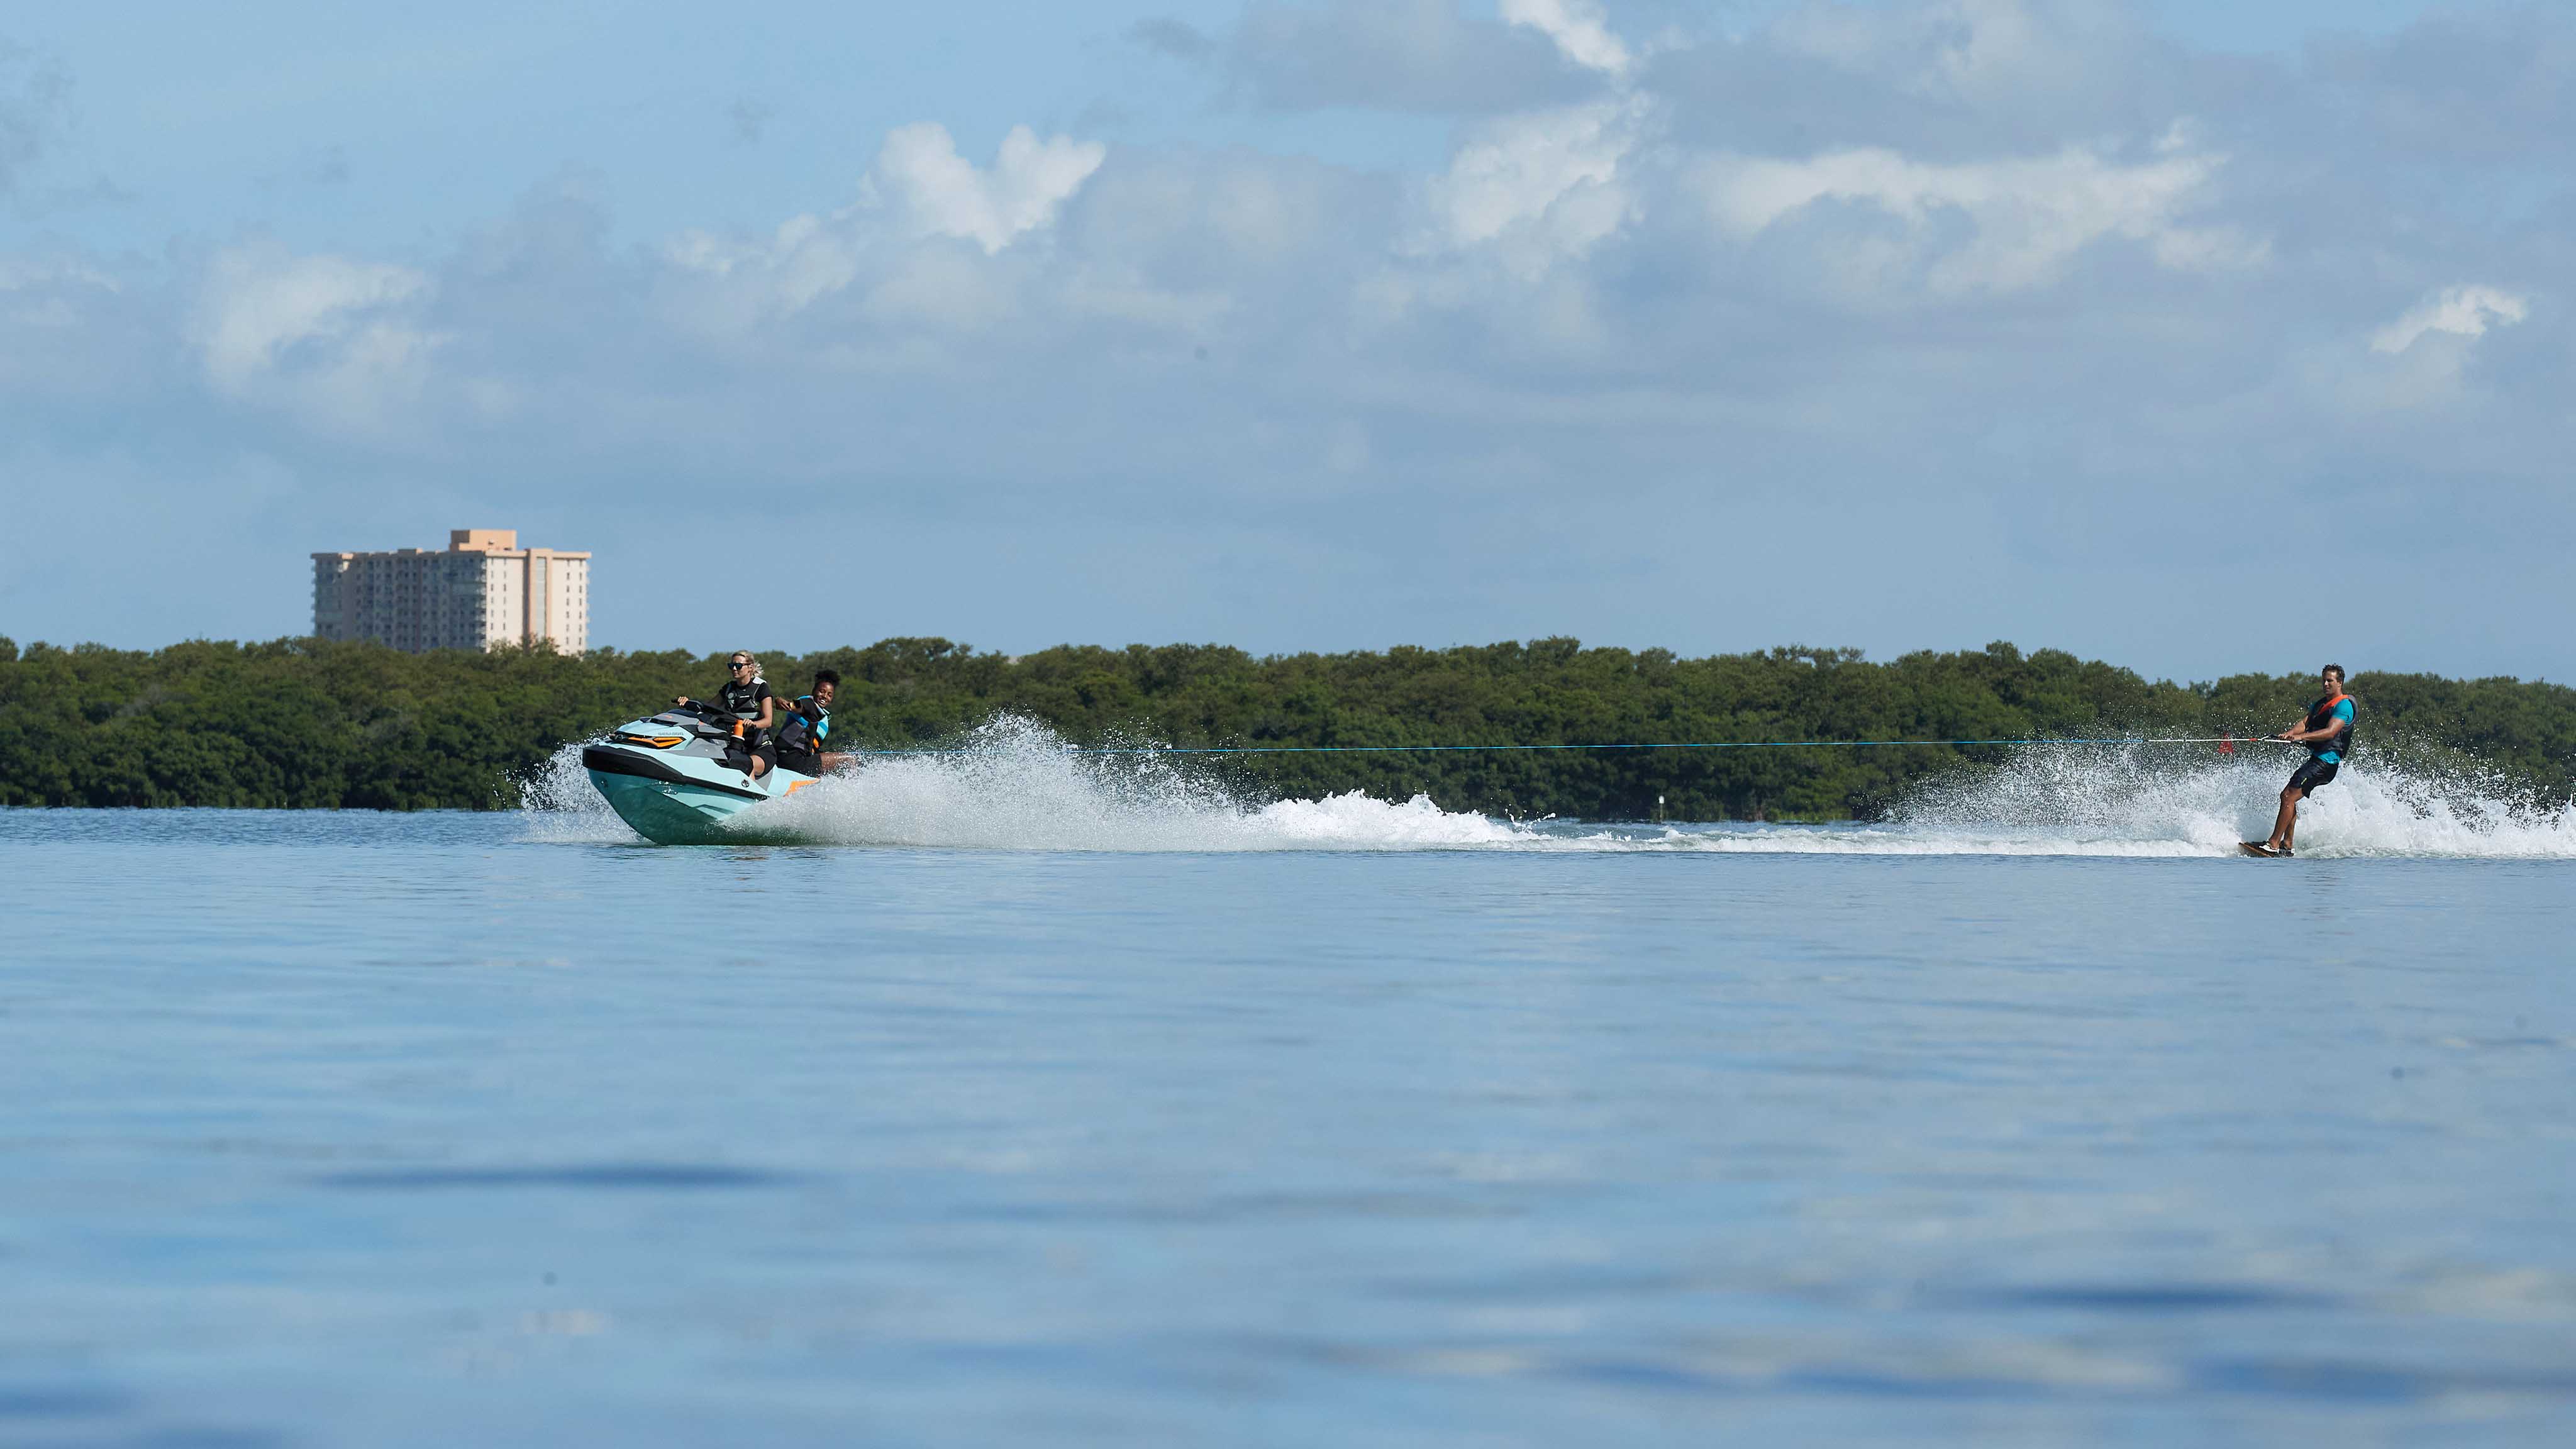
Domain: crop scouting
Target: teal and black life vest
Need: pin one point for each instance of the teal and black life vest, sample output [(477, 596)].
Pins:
[(802, 733), (2322, 715)]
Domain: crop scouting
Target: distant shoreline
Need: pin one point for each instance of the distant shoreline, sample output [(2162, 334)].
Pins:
[(309, 724)]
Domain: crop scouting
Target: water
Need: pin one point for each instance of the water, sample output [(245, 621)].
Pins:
[(1012, 1098)]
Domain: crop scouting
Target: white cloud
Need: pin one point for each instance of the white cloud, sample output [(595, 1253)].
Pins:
[(2462, 311), (2028, 216), (335, 336), (918, 189), (1581, 32), (942, 194), (1538, 188), (806, 258), (940, 288)]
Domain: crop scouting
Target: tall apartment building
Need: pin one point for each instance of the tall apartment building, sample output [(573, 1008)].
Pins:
[(483, 592)]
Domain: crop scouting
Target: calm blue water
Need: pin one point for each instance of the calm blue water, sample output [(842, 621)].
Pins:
[(437, 1130)]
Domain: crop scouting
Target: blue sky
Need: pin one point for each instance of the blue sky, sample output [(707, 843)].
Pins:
[(2200, 337)]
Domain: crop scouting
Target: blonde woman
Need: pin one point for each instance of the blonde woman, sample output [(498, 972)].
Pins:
[(746, 697)]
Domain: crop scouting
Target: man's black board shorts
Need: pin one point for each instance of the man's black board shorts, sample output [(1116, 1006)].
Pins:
[(2311, 775)]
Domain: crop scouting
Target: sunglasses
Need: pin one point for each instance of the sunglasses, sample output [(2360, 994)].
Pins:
[(741, 664)]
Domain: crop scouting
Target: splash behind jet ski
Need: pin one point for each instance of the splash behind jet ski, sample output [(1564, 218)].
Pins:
[(678, 776)]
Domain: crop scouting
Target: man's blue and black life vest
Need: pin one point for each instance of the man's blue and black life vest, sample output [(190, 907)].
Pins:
[(2322, 715)]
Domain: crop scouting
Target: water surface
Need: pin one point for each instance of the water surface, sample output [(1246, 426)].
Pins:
[(439, 1129)]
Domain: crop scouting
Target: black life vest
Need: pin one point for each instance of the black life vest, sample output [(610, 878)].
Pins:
[(2338, 744), (742, 701)]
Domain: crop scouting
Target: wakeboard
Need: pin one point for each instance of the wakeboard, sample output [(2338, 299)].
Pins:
[(2258, 848)]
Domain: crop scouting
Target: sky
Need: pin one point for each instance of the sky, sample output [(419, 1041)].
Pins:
[(2199, 337)]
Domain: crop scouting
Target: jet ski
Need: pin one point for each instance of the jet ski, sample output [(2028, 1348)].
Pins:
[(679, 776)]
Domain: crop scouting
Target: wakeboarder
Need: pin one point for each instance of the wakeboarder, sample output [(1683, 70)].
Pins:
[(2327, 732)]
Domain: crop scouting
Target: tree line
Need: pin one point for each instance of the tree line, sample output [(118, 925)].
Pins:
[(304, 723)]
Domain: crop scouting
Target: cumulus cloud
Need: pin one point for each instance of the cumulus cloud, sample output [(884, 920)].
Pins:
[(336, 337), (941, 193), (1536, 189), (920, 190), (806, 258), (2024, 217), (1579, 28), (2465, 311), (1547, 185)]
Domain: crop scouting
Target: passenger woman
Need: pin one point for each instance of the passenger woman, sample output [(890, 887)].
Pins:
[(807, 726)]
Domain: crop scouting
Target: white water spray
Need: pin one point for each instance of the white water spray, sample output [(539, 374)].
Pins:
[(2165, 800), (1015, 785)]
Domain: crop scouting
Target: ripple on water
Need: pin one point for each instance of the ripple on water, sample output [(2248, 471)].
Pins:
[(596, 1177)]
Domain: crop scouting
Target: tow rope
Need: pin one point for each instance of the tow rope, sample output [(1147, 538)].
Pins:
[(2227, 745)]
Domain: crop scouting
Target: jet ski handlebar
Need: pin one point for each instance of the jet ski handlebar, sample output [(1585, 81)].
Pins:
[(699, 713)]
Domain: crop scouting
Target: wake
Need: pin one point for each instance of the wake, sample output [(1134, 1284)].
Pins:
[(1014, 785)]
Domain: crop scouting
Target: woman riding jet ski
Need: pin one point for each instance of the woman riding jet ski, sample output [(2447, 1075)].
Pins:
[(745, 696), (679, 775)]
